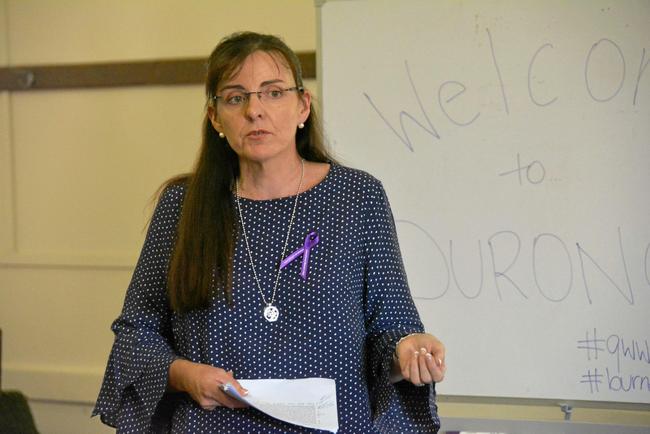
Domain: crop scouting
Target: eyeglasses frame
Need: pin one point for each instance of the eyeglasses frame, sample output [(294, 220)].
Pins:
[(259, 93)]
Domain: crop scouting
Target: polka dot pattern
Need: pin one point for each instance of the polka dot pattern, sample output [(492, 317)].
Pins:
[(342, 322)]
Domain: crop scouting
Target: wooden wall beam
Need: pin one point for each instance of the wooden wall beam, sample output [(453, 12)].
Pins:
[(97, 75)]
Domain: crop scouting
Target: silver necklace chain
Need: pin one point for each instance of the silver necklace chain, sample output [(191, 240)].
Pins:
[(270, 311)]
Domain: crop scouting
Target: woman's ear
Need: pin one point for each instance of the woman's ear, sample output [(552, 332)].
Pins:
[(306, 105), (214, 119)]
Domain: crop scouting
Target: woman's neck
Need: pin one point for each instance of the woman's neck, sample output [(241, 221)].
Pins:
[(269, 180)]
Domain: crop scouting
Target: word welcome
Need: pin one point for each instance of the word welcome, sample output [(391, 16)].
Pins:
[(450, 91)]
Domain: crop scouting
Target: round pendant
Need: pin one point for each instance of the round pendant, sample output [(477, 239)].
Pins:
[(271, 313)]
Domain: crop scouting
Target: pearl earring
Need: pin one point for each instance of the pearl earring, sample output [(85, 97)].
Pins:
[(221, 135), (301, 125)]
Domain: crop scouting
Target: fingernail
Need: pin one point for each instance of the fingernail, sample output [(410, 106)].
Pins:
[(429, 356), (439, 362), (423, 350)]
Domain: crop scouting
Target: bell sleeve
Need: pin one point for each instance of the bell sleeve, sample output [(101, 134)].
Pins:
[(390, 314), (132, 397)]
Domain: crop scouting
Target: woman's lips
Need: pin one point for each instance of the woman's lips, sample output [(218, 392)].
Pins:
[(257, 133)]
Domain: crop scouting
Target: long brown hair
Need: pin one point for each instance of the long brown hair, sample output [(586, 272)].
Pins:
[(202, 259)]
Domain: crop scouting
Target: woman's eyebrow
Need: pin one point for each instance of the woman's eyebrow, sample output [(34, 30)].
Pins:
[(240, 87), (232, 86), (267, 82)]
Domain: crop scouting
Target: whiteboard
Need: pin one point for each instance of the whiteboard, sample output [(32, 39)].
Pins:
[(513, 140)]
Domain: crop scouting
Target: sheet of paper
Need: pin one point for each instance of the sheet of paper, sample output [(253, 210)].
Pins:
[(308, 402)]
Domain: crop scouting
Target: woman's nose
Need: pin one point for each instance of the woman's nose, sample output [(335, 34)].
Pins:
[(254, 105)]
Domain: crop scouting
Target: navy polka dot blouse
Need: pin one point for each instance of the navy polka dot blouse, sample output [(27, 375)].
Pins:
[(342, 322)]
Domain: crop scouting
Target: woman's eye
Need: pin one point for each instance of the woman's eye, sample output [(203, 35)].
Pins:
[(235, 99)]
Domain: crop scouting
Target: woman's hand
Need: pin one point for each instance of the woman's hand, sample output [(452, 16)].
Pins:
[(203, 383), (420, 359)]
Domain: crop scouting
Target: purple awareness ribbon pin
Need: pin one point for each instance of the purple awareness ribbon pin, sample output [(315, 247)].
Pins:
[(311, 240)]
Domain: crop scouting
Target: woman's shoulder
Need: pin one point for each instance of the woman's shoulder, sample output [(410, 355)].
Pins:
[(169, 198), (173, 190), (356, 178)]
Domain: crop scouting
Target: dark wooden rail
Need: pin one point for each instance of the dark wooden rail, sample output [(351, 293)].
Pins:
[(141, 73)]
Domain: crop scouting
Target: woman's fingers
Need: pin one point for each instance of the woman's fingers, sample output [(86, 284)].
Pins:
[(436, 369), (211, 394), (219, 398), (230, 402), (210, 404), (424, 361), (224, 398), (421, 358), (439, 373), (236, 385), (222, 401), (414, 369), (430, 369)]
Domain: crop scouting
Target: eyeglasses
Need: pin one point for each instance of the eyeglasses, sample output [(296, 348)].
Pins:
[(271, 95)]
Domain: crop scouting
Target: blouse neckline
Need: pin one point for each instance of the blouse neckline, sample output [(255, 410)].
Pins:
[(322, 184)]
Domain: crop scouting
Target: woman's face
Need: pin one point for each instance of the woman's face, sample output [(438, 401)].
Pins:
[(260, 130)]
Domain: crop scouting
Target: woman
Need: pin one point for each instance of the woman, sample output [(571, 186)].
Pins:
[(268, 261)]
